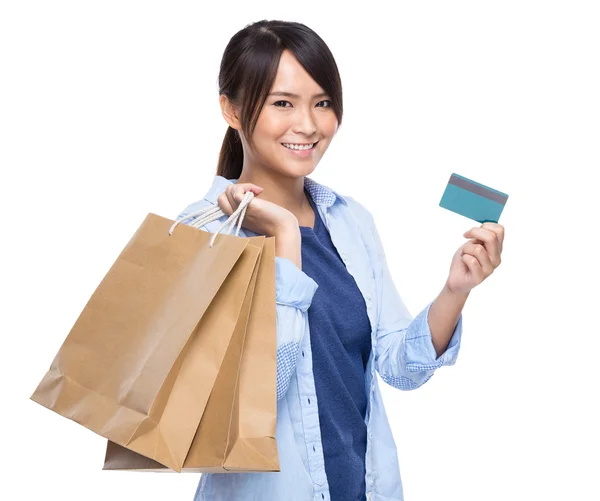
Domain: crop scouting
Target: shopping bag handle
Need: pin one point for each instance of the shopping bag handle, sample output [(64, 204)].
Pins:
[(209, 214)]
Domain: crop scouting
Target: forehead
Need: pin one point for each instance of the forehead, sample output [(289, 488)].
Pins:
[(292, 77)]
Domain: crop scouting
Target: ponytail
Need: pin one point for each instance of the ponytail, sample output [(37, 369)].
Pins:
[(231, 157)]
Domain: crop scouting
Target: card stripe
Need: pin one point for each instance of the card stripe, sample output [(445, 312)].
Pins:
[(478, 189)]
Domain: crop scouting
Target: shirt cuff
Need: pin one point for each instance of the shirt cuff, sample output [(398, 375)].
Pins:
[(293, 287), (420, 352)]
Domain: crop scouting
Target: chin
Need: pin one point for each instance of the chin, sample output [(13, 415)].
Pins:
[(296, 171)]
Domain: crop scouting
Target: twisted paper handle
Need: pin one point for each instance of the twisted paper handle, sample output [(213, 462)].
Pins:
[(209, 214)]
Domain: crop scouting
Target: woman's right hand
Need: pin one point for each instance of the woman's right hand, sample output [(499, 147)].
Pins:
[(266, 218), (262, 217)]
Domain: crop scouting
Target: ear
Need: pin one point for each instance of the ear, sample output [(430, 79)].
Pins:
[(230, 112)]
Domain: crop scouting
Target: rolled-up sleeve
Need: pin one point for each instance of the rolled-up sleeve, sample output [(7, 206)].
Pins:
[(420, 352), (293, 287), (294, 291), (404, 355)]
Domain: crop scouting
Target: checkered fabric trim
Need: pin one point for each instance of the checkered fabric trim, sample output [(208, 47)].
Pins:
[(424, 367), (319, 193), (287, 355), (403, 383)]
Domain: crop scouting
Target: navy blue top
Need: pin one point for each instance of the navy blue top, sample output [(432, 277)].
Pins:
[(340, 335)]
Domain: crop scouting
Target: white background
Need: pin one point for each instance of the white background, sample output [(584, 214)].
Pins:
[(109, 110)]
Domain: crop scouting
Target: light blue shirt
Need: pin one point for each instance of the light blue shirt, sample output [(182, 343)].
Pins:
[(402, 353)]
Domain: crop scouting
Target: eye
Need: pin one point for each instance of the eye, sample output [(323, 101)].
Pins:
[(276, 103)]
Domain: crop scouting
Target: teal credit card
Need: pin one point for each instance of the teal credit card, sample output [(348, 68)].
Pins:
[(473, 200)]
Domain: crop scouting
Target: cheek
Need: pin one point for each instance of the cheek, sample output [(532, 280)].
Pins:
[(328, 124), (270, 124)]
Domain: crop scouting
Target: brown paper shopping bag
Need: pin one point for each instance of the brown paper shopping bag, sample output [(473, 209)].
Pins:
[(237, 430), (122, 371)]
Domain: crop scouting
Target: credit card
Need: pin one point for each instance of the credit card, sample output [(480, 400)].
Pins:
[(473, 200)]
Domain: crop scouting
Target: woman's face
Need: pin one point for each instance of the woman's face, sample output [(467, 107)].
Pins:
[(304, 118)]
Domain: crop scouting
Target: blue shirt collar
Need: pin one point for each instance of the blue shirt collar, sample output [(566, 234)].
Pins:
[(320, 193)]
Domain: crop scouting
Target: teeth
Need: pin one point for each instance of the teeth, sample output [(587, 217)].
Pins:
[(298, 146)]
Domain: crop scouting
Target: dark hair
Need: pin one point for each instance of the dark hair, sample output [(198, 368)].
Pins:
[(248, 70)]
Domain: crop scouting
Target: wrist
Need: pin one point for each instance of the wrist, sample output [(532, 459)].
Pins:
[(288, 244), (289, 226), (458, 295)]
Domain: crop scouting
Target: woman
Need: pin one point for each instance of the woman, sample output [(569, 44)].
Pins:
[(339, 316)]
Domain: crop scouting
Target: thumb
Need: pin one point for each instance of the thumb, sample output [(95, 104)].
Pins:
[(256, 190)]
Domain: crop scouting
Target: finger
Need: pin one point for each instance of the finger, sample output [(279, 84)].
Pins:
[(498, 229), (224, 204), (480, 253), (238, 191), (474, 266), (229, 192), (250, 187), (489, 239)]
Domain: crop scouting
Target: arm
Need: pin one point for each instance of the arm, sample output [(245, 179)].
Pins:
[(294, 291), (443, 318), (404, 354)]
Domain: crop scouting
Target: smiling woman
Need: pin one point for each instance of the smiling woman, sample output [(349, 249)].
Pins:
[(339, 316)]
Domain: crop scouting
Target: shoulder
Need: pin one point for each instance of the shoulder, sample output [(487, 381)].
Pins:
[(358, 210), (192, 212), (193, 207), (219, 184), (190, 215)]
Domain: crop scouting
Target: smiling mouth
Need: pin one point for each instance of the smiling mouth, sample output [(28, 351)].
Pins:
[(302, 149)]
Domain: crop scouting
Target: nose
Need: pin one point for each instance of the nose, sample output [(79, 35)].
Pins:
[(305, 124)]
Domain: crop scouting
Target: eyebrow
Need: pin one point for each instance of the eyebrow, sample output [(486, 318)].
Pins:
[(290, 94)]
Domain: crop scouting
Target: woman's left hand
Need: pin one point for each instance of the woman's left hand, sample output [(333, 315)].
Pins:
[(476, 260)]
